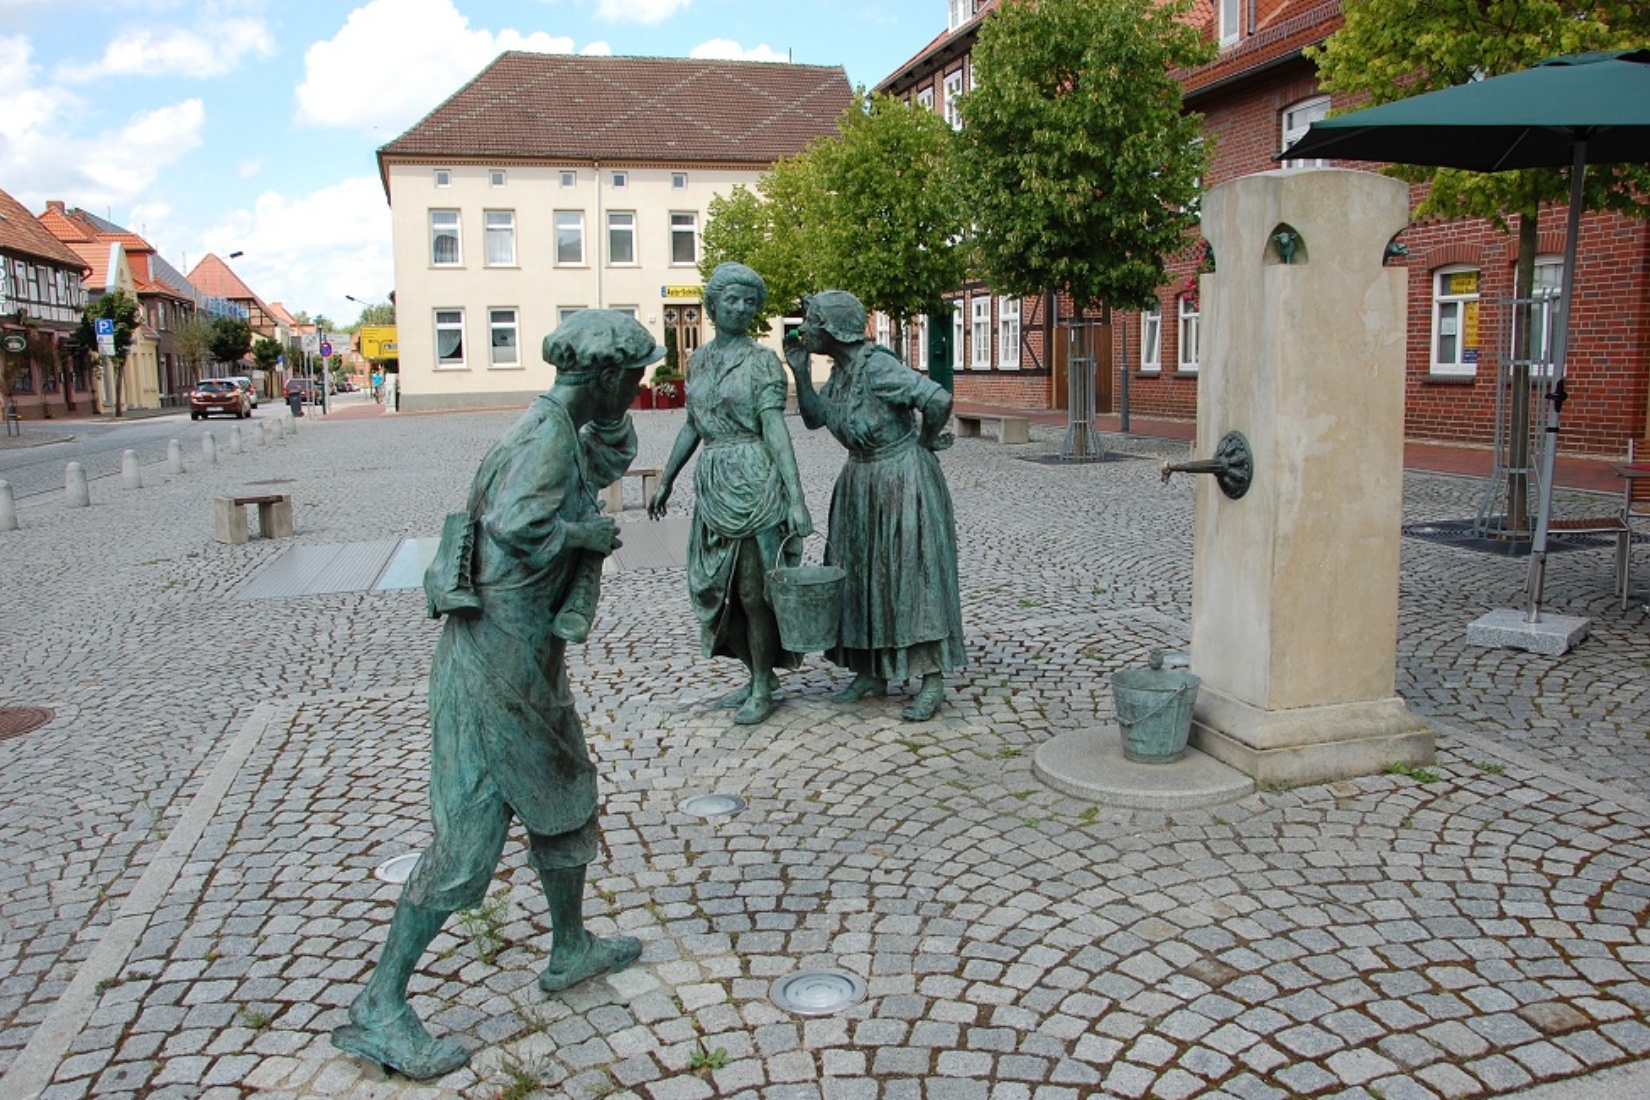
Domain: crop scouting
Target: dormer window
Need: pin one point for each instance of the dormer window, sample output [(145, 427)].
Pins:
[(961, 12), (1229, 21)]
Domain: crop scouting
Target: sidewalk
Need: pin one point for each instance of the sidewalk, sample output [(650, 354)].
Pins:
[(187, 890), (1569, 471)]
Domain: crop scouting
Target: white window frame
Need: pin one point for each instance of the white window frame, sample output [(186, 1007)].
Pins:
[(953, 85), (1293, 123), (1151, 340), (630, 311), (882, 328), (455, 229), (922, 343), (502, 320), (1190, 313), (616, 230), (449, 320), (925, 98), (689, 228), (678, 181), (565, 221), (1456, 311), (499, 238), (1231, 20), (979, 315), (569, 177), (564, 312), (1008, 332), (957, 330), (619, 180), (443, 177), (958, 13), (1549, 291), (496, 177)]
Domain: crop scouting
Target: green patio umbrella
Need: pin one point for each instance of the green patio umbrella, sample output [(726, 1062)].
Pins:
[(1591, 108)]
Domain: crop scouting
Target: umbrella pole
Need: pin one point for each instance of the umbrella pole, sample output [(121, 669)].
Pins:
[(1561, 353)]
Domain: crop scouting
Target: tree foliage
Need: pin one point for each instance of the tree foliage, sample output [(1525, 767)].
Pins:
[(893, 220), (121, 308), (192, 337), (771, 229), (1393, 49), (873, 210), (378, 313), (231, 339), (266, 353), (1081, 170)]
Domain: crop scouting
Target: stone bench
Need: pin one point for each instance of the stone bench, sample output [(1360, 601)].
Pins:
[(613, 495), (1010, 429), (274, 517)]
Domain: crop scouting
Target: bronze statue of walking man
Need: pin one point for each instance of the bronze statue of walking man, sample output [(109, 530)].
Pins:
[(505, 739)]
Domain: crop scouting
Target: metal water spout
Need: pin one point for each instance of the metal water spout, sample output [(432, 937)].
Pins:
[(1233, 465)]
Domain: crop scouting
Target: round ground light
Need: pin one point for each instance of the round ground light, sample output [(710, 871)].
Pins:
[(397, 870), (817, 992), (16, 721), (713, 805)]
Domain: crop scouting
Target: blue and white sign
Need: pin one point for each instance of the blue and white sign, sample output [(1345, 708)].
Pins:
[(103, 326)]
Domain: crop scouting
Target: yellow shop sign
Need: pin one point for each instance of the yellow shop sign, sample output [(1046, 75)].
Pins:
[(693, 292)]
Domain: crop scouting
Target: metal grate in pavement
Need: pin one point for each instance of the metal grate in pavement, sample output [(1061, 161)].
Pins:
[(314, 570), (1460, 533)]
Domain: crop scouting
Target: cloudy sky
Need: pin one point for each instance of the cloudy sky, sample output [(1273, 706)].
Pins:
[(246, 125)]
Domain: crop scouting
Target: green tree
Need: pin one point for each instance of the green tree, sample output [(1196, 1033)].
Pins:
[(121, 308), (231, 339), (893, 221), (378, 313), (1393, 49), (192, 337), (266, 353), (773, 229), (1080, 168)]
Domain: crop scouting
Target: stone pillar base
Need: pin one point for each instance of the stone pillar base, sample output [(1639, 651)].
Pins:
[(1305, 745)]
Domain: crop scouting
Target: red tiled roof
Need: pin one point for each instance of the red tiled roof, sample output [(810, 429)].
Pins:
[(279, 313), (666, 109), (95, 255), (212, 276), (21, 232), (941, 49)]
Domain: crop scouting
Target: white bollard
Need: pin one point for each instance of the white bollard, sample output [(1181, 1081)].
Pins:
[(8, 507), (131, 476), (76, 493), (174, 457), (235, 442), (209, 448), (289, 424)]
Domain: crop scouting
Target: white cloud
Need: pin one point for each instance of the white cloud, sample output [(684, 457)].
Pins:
[(175, 51), (309, 252), (45, 152), (395, 60), (597, 49), (639, 11), (726, 49), (250, 167)]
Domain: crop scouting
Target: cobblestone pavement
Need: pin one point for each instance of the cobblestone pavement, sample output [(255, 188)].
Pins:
[(186, 889)]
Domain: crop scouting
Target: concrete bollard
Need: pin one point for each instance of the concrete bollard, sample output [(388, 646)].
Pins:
[(131, 477), (174, 457), (261, 436), (236, 445), (76, 493), (209, 448), (8, 507), (289, 424)]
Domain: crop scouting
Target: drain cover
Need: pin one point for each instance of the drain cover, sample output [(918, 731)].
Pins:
[(397, 870), (713, 805), (817, 992), (16, 721)]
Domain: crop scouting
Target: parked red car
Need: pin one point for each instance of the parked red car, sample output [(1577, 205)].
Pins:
[(221, 395)]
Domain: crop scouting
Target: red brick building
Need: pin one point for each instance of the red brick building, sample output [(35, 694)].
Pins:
[(1256, 97)]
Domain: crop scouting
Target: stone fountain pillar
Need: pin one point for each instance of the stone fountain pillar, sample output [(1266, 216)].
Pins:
[(1295, 584)]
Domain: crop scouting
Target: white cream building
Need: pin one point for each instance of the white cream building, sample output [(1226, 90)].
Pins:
[(552, 183)]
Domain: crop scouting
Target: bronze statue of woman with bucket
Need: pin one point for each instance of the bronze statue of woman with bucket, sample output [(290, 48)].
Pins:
[(748, 501)]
